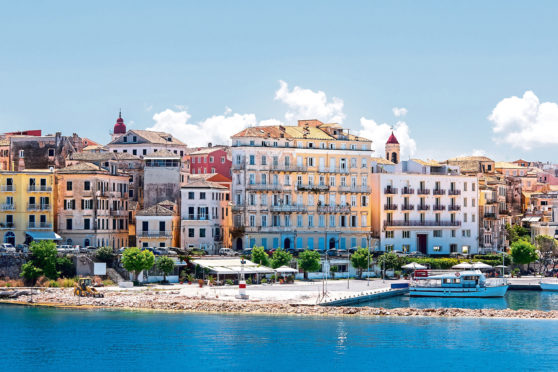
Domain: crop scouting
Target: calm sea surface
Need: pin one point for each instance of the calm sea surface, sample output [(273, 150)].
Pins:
[(531, 300)]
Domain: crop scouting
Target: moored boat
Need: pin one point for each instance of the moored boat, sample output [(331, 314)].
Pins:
[(459, 284), (549, 286)]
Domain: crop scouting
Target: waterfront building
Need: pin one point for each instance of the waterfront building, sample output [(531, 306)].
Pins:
[(26, 206), (205, 215), (303, 186), (161, 178), (158, 226), (92, 206), (494, 213), (212, 160)]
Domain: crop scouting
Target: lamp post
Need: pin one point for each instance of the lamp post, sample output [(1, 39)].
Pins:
[(348, 267), (368, 269)]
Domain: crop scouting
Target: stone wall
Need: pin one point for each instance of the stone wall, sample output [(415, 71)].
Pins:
[(10, 265)]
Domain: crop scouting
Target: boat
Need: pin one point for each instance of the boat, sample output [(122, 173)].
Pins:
[(458, 284), (549, 286)]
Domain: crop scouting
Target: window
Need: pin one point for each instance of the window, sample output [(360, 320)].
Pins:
[(202, 195), (437, 233), (191, 233), (310, 221), (50, 152), (264, 221), (222, 160), (252, 160), (389, 234), (69, 186), (191, 195), (406, 248), (202, 233), (406, 234), (86, 224), (87, 186), (299, 220), (69, 224), (389, 247), (211, 159), (21, 153)]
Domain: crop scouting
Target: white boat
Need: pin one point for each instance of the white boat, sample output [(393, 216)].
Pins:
[(549, 286), (458, 284)]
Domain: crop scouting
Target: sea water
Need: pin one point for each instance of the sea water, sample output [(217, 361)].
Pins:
[(41, 339)]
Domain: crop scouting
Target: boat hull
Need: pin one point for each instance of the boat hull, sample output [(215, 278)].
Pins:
[(549, 286), (498, 291)]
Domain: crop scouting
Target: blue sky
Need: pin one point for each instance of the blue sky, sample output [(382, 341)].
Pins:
[(208, 68)]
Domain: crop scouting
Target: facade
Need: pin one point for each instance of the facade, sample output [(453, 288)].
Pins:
[(494, 213), (158, 226), (92, 206), (26, 206), (211, 160), (205, 216), (304, 186), (146, 142), (161, 178)]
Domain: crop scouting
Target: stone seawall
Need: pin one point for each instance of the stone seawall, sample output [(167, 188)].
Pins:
[(10, 266)]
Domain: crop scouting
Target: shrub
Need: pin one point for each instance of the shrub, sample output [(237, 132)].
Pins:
[(229, 282), (65, 282), (264, 280), (105, 254), (42, 281), (107, 282), (249, 281), (52, 284), (260, 256)]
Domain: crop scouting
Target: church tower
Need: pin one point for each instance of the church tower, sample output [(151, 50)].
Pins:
[(119, 127), (392, 149)]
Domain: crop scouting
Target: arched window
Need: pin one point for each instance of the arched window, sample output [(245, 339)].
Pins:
[(86, 243), (9, 238), (394, 157)]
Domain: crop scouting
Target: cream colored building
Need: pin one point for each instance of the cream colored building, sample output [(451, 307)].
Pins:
[(158, 226), (304, 186)]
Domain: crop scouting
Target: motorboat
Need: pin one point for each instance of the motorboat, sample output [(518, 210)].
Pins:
[(459, 284), (549, 286)]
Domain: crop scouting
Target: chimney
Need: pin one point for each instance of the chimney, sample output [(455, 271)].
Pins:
[(209, 144)]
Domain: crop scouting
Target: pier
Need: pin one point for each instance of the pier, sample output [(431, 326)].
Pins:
[(361, 297)]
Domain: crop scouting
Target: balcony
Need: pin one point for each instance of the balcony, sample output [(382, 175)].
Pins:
[(421, 207), (454, 208), (334, 209), (491, 201), (7, 207), (38, 207), (423, 192), (489, 215), (39, 225), (118, 212), (7, 225), (7, 188), (438, 207), (288, 208), (287, 168), (407, 207), (354, 189), (454, 192), (333, 170), (155, 234), (193, 217), (41, 188), (438, 192), (311, 187), (264, 186), (390, 207), (504, 211), (238, 166), (407, 191), (390, 191), (418, 223)]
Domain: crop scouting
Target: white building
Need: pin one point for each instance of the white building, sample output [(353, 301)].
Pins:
[(205, 215), (146, 142)]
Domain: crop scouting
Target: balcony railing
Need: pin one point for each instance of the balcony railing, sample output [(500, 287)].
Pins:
[(396, 223), (311, 187), (438, 207), (438, 192), (193, 217), (407, 191), (454, 208), (7, 207), (390, 207), (334, 209), (454, 192), (287, 168), (390, 191), (407, 207), (118, 212), (7, 225), (356, 189), (7, 188), (288, 208), (264, 186), (491, 201), (489, 215), (39, 225), (423, 207), (38, 207), (155, 234), (39, 188), (238, 166), (423, 192)]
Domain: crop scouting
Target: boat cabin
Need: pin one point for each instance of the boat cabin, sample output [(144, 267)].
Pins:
[(466, 279)]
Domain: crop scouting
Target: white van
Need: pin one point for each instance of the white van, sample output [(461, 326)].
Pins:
[(227, 252)]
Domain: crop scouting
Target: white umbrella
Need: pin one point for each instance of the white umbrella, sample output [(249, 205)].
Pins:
[(481, 265), (414, 266), (286, 269), (462, 265)]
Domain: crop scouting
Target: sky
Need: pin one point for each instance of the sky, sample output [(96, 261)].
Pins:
[(451, 78)]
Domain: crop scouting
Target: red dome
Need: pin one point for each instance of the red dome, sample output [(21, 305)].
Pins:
[(119, 127), (392, 140)]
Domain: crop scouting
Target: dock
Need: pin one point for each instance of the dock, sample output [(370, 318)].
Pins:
[(361, 297)]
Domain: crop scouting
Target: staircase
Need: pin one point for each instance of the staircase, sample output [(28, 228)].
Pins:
[(114, 275)]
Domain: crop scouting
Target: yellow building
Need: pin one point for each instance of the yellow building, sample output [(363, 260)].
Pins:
[(26, 200), (298, 187)]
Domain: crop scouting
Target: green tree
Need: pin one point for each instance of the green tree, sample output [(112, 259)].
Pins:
[(523, 252), (136, 260), (517, 232), (105, 254), (333, 270), (43, 261), (548, 249), (359, 260), (165, 265), (390, 261), (309, 261), (65, 267), (280, 258), (259, 256)]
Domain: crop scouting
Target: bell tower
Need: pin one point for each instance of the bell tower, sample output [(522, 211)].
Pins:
[(392, 149)]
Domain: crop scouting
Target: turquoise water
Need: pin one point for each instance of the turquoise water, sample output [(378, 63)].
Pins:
[(61, 340), (530, 300)]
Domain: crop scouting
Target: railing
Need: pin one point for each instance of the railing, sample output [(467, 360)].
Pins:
[(504, 211), (311, 187), (38, 207), (407, 191), (7, 207), (390, 190), (423, 192), (438, 207), (333, 170), (39, 188), (40, 225), (407, 207), (238, 166), (490, 215), (490, 201), (238, 207), (193, 217), (423, 207), (454, 208), (334, 209), (422, 223), (288, 208), (155, 234), (454, 192), (287, 168), (7, 188), (118, 212), (7, 225), (438, 192), (390, 207), (357, 189), (264, 186)]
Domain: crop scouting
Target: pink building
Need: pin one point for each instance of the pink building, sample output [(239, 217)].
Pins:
[(211, 160)]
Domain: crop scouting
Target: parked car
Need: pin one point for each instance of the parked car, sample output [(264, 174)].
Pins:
[(227, 252), (332, 252), (247, 252), (177, 251), (90, 249), (163, 251), (8, 248), (22, 248)]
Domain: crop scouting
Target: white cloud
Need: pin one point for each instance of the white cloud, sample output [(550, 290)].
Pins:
[(216, 129), (478, 152), (525, 122), (379, 134), (399, 111), (308, 104)]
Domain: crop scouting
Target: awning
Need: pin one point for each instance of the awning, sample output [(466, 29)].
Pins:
[(531, 219), (43, 235), (232, 266)]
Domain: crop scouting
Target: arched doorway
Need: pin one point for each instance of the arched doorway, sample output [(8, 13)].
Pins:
[(239, 244), (287, 243), (9, 238), (332, 243)]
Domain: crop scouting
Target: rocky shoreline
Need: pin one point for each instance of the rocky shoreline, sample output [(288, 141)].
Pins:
[(173, 301)]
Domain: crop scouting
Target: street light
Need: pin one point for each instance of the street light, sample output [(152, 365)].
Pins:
[(368, 269)]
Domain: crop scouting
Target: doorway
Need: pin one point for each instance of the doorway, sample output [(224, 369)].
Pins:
[(422, 243)]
